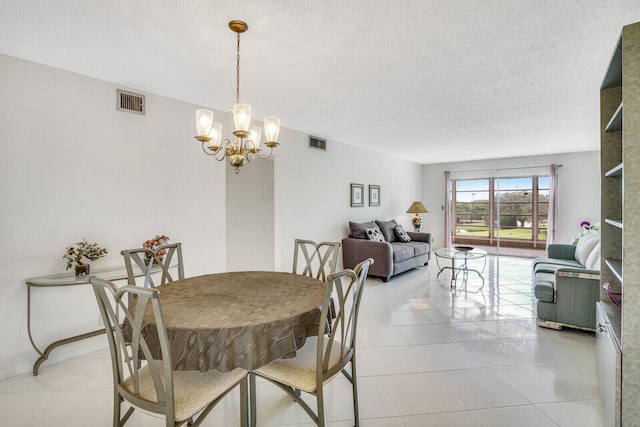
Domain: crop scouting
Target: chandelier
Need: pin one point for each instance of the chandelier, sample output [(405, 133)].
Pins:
[(246, 142)]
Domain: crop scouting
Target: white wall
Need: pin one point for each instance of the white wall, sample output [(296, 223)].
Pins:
[(73, 167), (578, 182), (312, 190), (250, 198)]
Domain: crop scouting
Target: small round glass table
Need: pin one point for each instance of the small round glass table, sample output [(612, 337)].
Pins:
[(462, 254)]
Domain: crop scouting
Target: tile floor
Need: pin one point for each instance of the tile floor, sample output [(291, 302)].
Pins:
[(427, 356)]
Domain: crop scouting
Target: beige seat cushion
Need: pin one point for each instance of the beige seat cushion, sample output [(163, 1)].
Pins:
[(300, 371), (193, 390)]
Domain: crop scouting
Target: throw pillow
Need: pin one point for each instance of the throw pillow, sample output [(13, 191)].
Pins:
[(585, 245), (359, 230), (402, 235), (387, 229), (375, 234)]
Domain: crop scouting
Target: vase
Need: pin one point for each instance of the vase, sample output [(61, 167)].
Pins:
[(82, 269)]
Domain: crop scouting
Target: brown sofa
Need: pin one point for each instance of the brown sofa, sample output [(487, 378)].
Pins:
[(392, 256)]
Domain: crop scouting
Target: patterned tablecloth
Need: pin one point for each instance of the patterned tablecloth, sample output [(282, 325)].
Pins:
[(241, 319)]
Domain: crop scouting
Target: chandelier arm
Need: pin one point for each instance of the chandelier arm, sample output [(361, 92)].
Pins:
[(267, 156), (220, 153)]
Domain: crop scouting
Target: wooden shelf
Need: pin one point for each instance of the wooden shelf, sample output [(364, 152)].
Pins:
[(614, 73), (616, 121), (615, 171), (616, 222), (615, 265)]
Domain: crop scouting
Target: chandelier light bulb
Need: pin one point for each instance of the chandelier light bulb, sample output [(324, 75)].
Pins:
[(242, 116), (216, 135), (271, 128), (256, 134), (204, 121)]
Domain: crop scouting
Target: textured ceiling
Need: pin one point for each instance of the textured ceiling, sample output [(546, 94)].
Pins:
[(428, 81)]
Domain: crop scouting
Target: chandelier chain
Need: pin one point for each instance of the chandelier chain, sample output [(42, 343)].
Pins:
[(238, 70)]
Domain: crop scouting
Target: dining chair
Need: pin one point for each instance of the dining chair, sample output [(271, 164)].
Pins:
[(146, 259), (318, 260), (148, 383), (321, 358)]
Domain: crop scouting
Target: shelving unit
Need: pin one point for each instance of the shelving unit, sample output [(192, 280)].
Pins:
[(618, 331)]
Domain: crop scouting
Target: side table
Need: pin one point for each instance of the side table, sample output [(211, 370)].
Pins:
[(70, 279), (462, 254)]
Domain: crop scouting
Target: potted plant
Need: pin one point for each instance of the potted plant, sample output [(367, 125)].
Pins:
[(153, 245), (80, 250)]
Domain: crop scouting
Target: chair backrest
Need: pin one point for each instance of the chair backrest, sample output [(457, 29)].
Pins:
[(337, 347), (129, 346), (318, 260), (146, 259)]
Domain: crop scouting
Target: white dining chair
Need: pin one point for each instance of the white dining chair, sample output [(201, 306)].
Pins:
[(323, 357), (316, 260), (154, 261), (146, 380)]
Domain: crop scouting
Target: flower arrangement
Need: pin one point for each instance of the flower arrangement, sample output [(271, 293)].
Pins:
[(153, 245), (83, 249), (586, 226)]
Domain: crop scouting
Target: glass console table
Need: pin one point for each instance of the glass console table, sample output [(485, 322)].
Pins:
[(462, 254), (70, 279)]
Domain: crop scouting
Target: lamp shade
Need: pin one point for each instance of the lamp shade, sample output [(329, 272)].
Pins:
[(271, 128), (204, 121), (242, 116), (256, 135), (417, 207), (216, 135)]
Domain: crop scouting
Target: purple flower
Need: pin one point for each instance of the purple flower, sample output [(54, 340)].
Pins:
[(585, 224)]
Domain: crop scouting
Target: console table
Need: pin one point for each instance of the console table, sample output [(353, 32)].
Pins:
[(70, 279)]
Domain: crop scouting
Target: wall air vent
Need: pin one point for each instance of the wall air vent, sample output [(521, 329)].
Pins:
[(130, 102), (317, 143)]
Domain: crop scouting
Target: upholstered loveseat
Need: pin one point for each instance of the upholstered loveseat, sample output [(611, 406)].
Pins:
[(381, 240), (567, 284)]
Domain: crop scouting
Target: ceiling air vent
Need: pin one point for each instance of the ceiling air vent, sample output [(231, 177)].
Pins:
[(130, 102), (317, 143)]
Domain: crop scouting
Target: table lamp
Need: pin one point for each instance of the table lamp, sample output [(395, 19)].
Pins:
[(417, 208)]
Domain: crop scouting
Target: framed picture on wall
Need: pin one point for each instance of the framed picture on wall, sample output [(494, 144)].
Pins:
[(374, 195), (357, 195)]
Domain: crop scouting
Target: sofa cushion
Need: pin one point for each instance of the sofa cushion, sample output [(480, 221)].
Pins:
[(374, 234), (401, 251), (543, 287), (359, 230), (402, 234), (553, 265), (388, 230), (419, 248), (585, 246)]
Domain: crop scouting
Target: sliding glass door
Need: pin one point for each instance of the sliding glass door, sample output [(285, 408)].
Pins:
[(503, 214)]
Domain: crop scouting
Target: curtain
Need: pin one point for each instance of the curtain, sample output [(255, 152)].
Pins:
[(448, 220), (552, 220)]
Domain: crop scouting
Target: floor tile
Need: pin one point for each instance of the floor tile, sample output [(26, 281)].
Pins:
[(585, 413), (422, 393), (450, 356), (481, 388), (520, 416), (397, 360)]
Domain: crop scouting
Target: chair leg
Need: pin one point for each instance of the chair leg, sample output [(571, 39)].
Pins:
[(354, 385), (322, 421), (252, 400)]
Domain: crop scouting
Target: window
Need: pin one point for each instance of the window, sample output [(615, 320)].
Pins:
[(510, 212)]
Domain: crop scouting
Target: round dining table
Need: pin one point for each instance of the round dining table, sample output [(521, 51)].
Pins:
[(237, 320)]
